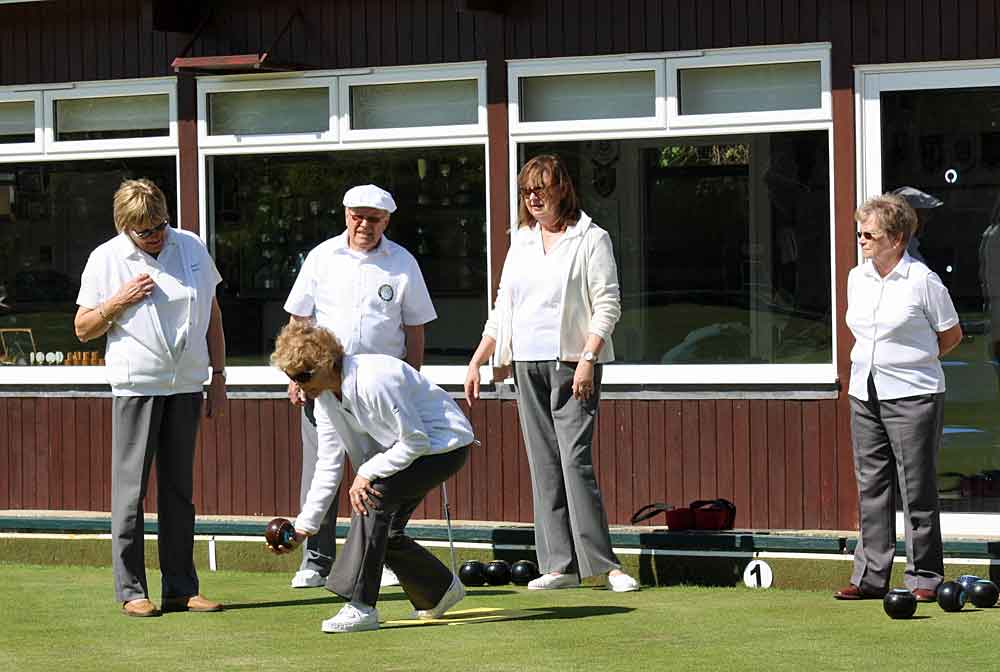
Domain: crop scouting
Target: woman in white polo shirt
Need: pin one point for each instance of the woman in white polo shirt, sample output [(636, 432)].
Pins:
[(903, 321), (556, 308), (404, 436), (151, 290)]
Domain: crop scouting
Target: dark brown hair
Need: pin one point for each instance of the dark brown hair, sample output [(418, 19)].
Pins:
[(549, 171)]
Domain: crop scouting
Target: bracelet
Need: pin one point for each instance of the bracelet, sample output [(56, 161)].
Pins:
[(108, 320), (219, 372)]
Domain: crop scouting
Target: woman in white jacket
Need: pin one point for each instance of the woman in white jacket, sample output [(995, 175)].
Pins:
[(556, 308)]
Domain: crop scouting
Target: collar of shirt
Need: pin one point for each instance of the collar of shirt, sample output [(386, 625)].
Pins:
[(532, 235), (126, 249), (384, 247), (902, 268)]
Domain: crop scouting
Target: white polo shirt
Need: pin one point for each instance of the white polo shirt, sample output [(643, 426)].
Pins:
[(537, 286), (157, 346), (388, 416), (365, 298), (895, 321)]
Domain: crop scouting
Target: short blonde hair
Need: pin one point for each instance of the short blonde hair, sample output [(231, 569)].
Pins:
[(894, 215), (138, 203), (304, 346)]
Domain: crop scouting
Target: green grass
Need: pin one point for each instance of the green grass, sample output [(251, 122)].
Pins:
[(57, 617)]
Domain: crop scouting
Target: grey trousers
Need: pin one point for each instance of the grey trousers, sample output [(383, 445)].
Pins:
[(571, 525), (896, 444), (380, 538), (164, 428), (320, 549)]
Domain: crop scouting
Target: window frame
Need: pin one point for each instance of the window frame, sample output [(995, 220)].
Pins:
[(104, 90), (413, 75), (433, 137), (744, 57), (19, 149), (694, 375)]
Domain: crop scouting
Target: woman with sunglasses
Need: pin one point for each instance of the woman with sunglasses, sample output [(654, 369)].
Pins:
[(903, 321), (557, 305), (404, 436), (151, 291)]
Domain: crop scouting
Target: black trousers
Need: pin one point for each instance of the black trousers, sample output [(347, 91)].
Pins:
[(380, 538)]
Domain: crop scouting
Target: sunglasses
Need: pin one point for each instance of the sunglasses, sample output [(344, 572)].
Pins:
[(868, 235), (371, 219), (538, 192), (301, 376), (146, 233)]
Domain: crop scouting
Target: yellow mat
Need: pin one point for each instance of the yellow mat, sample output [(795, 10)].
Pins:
[(465, 616)]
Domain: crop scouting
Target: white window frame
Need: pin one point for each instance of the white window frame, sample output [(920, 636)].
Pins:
[(433, 137), (742, 57), (695, 375), (166, 86), (414, 75), (516, 69), (208, 86), (21, 148)]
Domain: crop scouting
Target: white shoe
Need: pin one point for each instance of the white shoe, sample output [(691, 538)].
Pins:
[(454, 595), (353, 617), (389, 578), (308, 578), (553, 581), (622, 583)]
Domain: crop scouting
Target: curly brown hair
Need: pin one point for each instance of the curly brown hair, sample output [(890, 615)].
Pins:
[(304, 346), (894, 216)]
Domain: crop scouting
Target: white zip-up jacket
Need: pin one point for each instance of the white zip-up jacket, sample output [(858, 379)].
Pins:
[(591, 297)]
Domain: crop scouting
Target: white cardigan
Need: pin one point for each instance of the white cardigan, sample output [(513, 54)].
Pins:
[(591, 297)]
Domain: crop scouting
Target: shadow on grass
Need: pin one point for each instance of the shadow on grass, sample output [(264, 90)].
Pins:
[(336, 599), (542, 614)]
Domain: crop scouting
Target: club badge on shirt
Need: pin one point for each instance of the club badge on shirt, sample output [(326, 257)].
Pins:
[(385, 292)]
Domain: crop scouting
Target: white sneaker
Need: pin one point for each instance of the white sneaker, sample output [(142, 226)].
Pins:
[(308, 578), (389, 578), (454, 595), (353, 617), (622, 583), (553, 581)]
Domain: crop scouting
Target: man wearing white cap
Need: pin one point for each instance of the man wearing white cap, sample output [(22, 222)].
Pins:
[(370, 293)]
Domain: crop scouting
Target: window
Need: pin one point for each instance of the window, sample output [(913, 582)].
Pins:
[(17, 122), (52, 215), (598, 96), (269, 210), (750, 88), (305, 110), (416, 104), (723, 244), (112, 117)]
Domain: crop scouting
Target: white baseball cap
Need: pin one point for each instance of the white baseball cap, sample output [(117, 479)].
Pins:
[(369, 196)]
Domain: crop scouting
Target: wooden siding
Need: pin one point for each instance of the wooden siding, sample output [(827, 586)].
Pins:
[(772, 458)]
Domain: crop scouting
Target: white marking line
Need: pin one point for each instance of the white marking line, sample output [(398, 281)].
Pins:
[(526, 547)]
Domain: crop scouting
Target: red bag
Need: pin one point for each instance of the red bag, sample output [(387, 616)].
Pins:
[(703, 514)]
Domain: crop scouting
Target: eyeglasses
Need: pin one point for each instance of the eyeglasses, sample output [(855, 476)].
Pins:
[(301, 376), (537, 192), (371, 219), (868, 235), (146, 233)]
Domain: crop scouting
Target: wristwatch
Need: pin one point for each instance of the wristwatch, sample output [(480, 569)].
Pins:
[(219, 372), (589, 356)]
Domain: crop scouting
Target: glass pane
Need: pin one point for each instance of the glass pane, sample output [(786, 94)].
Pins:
[(947, 144), (263, 112), (17, 122), (723, 244), (610, 95), (416, 104), (269, 210), (750, 88), (114, 117), (52, 215)]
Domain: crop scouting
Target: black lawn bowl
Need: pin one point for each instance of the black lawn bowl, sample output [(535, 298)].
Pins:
[(498, 573), (984, 594), (472, 573), (967, 581), (899, 603), (280, 533), (524, 571), (951, 596)]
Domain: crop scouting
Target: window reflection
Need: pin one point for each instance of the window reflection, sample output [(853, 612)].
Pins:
[(723, 244), (52, 215), (269, 211)]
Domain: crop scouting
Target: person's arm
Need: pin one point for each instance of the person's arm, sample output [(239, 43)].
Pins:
[(91, 323), (414, 345), (216, 338), (482, 355), (583, 377), (949, 339)]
